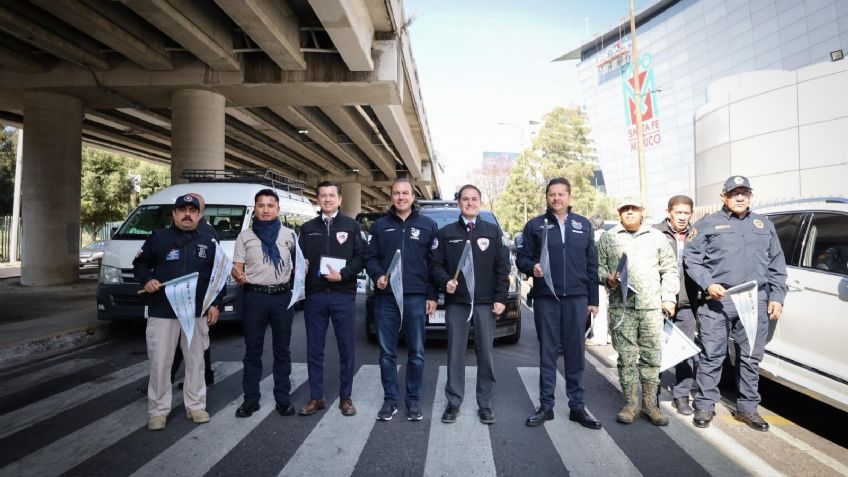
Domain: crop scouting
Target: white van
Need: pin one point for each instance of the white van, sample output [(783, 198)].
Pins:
[(229, 209), (806, 347)]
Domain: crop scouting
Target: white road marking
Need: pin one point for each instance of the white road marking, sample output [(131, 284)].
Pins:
[(583, 451), (198, 451), (464, 447), (64, 454), (14, 385)]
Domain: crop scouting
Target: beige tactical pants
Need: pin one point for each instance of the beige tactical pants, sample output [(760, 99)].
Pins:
[(162, 337)]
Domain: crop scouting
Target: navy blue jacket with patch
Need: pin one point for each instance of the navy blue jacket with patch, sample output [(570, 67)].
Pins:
[(574, 264), (171, 253), (415, 238), (342, 240)]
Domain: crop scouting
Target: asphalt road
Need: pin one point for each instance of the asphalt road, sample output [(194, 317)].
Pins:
[(84, 413)]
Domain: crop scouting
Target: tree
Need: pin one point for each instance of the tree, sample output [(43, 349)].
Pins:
[(154, 177), (491, 178), (562, 148), (105, 188), (8, 142)]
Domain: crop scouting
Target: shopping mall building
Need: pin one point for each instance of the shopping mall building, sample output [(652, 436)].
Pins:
[(730, 87)]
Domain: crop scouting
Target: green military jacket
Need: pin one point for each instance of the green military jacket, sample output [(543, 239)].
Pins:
[(651, 267)]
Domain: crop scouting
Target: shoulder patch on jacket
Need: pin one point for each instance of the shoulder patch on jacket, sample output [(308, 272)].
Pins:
[(693, 232)]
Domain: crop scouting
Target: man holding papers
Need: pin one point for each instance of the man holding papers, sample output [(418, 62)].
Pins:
[(726, 249), (263, 263), (558, 251), (333, 247), (169, 254), (639, 269), (476, 295), (398, 261)]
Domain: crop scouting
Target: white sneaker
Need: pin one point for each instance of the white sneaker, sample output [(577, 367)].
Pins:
[(157, 423), (198, 417)]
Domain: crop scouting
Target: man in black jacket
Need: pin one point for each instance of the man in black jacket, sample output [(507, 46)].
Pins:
[(170, 253), (675, 229), (333, 248), (491, 284), (563, 296), (404, 229)]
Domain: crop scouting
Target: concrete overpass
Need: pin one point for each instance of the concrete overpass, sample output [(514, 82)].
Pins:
[(316, 89)]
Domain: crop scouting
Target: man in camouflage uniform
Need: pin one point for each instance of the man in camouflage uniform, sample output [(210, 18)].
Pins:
[(652, 284)]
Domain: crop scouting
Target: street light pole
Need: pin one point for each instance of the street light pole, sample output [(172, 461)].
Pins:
[(637, 88)]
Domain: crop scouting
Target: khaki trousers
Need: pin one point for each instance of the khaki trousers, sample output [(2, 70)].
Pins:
[(162, 337)]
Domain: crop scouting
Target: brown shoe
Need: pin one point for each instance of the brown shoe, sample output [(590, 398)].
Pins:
[(346, 405), (312, 407)]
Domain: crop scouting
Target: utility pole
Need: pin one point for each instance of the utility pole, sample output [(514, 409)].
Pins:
[(637, 89)]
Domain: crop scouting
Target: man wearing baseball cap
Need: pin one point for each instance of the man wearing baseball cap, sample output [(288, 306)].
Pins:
[(725, 249), (639, 269), (169, 253)]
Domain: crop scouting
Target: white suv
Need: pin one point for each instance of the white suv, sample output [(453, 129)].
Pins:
[(807, 348)]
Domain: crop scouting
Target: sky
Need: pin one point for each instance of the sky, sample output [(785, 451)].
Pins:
[(484, 62)]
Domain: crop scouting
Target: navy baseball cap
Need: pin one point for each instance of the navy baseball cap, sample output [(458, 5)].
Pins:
[(186, 200), (735, 182)]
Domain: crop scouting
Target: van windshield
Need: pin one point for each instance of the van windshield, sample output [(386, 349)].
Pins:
[(225, 219)]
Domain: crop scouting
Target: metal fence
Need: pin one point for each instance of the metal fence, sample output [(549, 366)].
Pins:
[(102, 233), (6, 240)]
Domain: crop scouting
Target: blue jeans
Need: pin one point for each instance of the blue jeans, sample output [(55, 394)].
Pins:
[(260, 309), (388, 330)]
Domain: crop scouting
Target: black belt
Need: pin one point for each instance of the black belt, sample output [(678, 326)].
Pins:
[(269, 289)]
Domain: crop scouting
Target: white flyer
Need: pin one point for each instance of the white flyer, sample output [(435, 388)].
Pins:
[(181, 295)]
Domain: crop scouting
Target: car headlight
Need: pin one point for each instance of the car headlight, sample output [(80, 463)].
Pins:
[(110, 275)]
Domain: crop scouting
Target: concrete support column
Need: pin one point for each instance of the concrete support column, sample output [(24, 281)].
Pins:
[(351, 198), (50, 189), (197, 131)]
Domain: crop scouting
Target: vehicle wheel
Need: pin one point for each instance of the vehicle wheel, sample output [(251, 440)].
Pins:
[(513, 338)]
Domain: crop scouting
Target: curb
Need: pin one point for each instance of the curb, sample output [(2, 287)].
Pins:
[(53, 345)]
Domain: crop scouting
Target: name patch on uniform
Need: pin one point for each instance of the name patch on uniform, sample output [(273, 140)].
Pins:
[(314, 233), (341, 237), (173, 255), (435, 244), (549, 226), (414, 233), (483, 243), (390, 230), (201, 250), (692, 234), (758, 223), (577, 231), (719, 227), (576, 225), (456, 240)]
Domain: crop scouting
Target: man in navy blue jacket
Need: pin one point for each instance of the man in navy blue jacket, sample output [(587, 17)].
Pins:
[(332, 237), (170, 253), (404, 229), (560, 315)]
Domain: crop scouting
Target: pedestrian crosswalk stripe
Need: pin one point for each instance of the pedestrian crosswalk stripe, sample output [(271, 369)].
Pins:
[(711, 448), (18, 419), (464, 447), (208, 444), (19, 383), (334, 445), (64, 454), (583, 451)]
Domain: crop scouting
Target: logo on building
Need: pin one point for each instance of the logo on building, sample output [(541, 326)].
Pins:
[(645, 101)]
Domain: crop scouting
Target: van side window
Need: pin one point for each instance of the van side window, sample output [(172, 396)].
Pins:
[(787, 227), (827, 243)]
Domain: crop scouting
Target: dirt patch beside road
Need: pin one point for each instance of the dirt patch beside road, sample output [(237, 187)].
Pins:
[(18, 303)]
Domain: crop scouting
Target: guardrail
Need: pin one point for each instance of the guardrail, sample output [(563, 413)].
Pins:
[(102, 233)]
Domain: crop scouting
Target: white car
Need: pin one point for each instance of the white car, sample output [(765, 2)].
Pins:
[(806, 349)]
